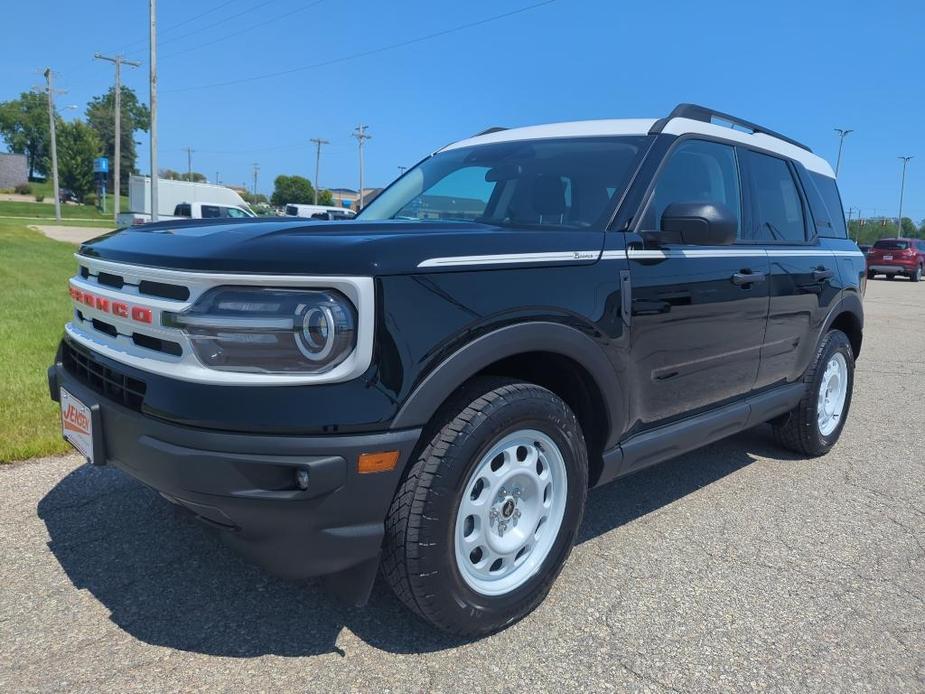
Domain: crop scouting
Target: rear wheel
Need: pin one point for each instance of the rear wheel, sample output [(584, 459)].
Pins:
[(816, 423), (891, 276), (487, 516), (871, 274), (917, 275)]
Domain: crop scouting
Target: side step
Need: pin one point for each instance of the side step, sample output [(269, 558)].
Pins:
[(669, 441)]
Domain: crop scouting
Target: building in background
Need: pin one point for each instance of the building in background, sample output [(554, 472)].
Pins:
[(14, 170), (348, 197)]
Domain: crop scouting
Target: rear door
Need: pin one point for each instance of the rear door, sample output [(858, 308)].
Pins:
[(804, 280), (697, 330)]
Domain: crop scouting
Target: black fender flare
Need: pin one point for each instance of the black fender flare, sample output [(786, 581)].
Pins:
[(509, 341), (850, 303)]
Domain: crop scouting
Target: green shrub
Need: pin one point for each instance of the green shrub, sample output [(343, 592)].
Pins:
[(90, 199), (39, 198), (23, 189)]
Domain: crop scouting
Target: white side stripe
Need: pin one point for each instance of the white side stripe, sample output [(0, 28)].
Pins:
[(508, 258), (632, 254)]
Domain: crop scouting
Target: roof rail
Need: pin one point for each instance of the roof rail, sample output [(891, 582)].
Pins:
[(489, 131), (708, 115)]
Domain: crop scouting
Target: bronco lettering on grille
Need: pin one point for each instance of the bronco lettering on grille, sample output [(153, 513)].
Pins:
[(139, 314)]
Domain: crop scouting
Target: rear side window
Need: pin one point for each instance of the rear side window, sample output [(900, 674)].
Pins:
[(182, 210), (211, 211), (892, 245), (697, 171), (292, 210), (776, 200), (828, 191)]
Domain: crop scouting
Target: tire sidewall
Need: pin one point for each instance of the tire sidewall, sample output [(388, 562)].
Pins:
[(446, 497), (836, 342)]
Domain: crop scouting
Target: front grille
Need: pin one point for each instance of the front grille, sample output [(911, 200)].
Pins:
[(110, 383)]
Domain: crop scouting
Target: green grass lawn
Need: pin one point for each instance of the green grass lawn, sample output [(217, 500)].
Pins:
[(33, 273), (46, 210)]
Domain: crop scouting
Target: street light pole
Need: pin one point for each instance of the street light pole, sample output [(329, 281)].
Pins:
[(842, 134), (118, 61), (50, 89), (152, 67), (318, 142), (362, 137), (902, 188)]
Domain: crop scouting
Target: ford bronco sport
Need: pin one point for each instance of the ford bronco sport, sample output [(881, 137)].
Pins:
[(430, 391)]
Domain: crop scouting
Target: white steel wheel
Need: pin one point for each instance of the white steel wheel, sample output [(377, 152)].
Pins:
[(511, 511), (833, 391)]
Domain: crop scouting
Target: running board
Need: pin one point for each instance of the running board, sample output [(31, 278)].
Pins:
[(671, 440)]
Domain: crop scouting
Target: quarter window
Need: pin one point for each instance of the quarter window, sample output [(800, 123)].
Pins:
[(697, 171), (777, 202)]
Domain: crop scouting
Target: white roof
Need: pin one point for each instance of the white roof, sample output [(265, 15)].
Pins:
[(641, 126)]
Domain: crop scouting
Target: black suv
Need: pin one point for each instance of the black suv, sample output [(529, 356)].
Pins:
[(431, 390)]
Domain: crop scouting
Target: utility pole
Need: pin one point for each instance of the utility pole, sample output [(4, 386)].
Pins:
[(189, 163), (256, 169), (50, 91), (318, 142), (361, 136), (118, 61), (402, 169), (152, 78), (902, 188), (842, 134), (216, 178)]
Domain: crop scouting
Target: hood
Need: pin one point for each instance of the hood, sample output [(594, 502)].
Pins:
[(334, 248)]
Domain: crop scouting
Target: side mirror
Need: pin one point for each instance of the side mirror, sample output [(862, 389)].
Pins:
[(699, 223)]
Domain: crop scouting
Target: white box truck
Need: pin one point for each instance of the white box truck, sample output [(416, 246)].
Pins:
[(181, 200)]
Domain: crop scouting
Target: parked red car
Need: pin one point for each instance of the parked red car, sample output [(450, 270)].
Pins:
[(893, 257)]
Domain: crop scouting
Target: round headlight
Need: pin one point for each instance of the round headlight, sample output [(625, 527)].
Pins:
[(316, 339)]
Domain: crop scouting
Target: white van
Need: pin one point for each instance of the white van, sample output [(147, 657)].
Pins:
[(319, 212)]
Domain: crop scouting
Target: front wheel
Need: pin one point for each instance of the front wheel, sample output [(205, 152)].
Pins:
[(488, 514), (815, 424)]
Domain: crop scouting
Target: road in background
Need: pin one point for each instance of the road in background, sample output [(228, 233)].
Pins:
[(735, 567)]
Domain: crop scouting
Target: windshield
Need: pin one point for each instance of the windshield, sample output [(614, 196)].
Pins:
[(563, 183)]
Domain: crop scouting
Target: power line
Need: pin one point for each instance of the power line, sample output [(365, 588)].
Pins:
[(245, 30), (199, 30), (363, 54), (183, 23)]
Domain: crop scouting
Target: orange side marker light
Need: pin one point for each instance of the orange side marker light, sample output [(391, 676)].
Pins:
[(383, 461)]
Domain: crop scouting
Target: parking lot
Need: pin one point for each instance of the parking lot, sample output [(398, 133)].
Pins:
[(736, 567)]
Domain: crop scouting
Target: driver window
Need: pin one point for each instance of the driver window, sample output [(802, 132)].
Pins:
[(697, 171)]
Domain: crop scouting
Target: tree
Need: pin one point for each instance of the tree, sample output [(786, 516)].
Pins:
[(325, 198), (78, 145), (292, 190), (172, 175), (135, 116), (24, 127)]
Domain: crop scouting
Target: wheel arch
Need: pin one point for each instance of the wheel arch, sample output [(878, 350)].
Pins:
[(849, 318), (558, 357)]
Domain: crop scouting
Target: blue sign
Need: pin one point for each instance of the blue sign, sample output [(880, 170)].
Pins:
[(345, 203), (101, 165)]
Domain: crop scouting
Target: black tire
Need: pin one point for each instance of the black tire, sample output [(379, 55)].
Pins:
[(871, 274), (917, 275), (419, 552), (799, 430), (891, 277)]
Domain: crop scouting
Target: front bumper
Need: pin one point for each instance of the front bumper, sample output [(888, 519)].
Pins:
[(244, 485)]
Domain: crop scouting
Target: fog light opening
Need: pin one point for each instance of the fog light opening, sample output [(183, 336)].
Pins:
[(301, 479)]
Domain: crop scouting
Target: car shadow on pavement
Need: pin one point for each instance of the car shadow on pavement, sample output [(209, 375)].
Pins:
[(167, 581)]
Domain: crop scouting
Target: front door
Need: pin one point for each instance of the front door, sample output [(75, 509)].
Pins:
[(698, 318)]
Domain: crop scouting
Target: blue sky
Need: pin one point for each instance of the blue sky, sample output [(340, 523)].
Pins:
[(802, 68)]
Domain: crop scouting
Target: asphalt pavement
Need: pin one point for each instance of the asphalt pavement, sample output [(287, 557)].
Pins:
[(738, 567)]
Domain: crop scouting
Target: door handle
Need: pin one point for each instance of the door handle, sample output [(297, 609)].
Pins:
[(823, 273), (748, 277)]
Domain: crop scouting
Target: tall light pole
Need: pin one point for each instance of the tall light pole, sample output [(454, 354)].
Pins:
[(902, 188), (318, 142), (50, 90), (152, 78), (189, 163), (402, 169), (842, 134), (360, 134), (256, 169), (118, 61)]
